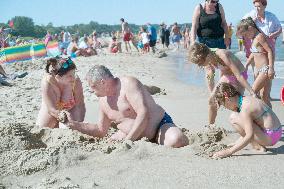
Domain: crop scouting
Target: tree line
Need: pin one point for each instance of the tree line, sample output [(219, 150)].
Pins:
[(25, 27)]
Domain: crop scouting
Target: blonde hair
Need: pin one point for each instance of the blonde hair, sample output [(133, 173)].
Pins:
[(224, 90), (197, 53), (244, 25)]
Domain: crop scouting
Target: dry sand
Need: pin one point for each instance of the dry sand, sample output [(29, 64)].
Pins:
[(32, 157)]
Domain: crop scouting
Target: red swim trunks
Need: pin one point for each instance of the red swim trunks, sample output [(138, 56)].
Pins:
[(114, 50), (127, 37)]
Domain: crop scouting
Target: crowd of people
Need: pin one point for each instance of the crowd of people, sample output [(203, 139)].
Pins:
[(148, 37), (136, 113)]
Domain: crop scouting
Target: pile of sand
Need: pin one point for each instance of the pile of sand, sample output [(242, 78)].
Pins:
[(207, 141), (26, 150)]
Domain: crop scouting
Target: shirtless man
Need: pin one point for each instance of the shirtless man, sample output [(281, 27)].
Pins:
[(127, 35), (127, 103), (176, 35)]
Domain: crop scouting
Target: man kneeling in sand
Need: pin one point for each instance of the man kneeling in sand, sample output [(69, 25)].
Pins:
[(126, 102)]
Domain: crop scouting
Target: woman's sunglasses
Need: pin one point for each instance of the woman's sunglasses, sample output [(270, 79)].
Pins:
[(67, 63)]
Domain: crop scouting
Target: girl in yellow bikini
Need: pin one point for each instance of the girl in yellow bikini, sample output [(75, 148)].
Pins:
[(61, 91)]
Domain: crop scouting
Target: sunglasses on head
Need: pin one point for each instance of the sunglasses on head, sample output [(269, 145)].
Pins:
[(67, 63)]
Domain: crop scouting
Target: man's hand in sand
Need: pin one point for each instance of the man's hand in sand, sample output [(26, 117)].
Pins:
[(222, 154), (69, 121)]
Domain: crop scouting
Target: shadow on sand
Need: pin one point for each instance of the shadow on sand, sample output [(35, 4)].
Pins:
[(270, 150)]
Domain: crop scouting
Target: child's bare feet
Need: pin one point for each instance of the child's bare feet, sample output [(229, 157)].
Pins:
[(258, 147)]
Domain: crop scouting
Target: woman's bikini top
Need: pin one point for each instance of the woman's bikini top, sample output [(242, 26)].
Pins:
[(67, 105), (266, 108), (70, 103), (255, 48)]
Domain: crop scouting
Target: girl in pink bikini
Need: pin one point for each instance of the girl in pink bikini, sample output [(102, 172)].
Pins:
[(61, 91), (232, 71), (252, 118)]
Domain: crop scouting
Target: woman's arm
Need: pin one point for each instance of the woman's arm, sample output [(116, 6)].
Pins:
[(224, 25), (249, 61), (262, 41), (210, 75), (275, 23), (276, 33), (79, 110), (49, 96), (244, 141), (248, 127), (231, 61), (195, 20)]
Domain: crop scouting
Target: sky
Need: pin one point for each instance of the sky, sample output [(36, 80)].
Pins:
[(70, 12)]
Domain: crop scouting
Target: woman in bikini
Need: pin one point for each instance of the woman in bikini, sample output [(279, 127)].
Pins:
[(231, 68), (262, 55), (252, 118), (61, 91)]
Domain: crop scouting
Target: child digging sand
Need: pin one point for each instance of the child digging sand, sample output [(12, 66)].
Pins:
[(252, 118)]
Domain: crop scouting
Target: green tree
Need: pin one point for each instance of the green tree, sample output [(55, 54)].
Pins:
[(23, 26), (49, 27), (39, 31)]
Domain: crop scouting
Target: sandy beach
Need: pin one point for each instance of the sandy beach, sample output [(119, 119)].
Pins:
[(32, 157)]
